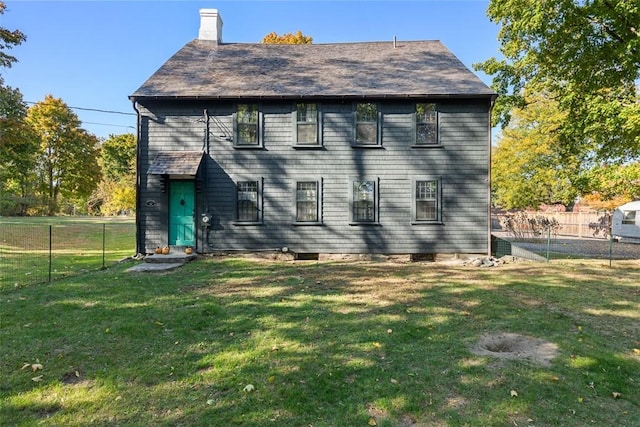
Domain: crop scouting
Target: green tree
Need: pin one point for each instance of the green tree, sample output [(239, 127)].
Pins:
[(287, 38), (116, 192), (586, 53), (616, 184), (67, 165), (17, 147), (118, 156), (527, 166), (8, 39), (18, 150)]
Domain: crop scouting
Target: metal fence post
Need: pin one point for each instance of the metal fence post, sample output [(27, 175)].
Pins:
[(50, 250), (104, 228), (610, 248)]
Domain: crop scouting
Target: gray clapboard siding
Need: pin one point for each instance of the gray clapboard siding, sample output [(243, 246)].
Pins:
[(461, 164)]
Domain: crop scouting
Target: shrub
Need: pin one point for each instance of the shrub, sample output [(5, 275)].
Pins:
[(522, 225)]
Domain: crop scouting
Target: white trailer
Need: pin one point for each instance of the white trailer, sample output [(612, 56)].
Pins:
[(625, 223)]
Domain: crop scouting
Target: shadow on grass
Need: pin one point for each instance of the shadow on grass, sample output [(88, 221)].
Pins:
[(323, 344)]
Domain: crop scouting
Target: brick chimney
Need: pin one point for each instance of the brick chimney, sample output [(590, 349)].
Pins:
[(210, 25)]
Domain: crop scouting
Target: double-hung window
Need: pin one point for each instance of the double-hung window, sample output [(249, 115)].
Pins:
[(247, 126), (248, 202), (307, 125), (367, 129), (426, 122), (426, 201), (364, 201), (308, 202)]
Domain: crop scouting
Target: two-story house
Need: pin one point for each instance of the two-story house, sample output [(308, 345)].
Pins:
[(349, 148)]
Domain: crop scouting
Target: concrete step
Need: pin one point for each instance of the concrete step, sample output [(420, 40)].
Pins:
[(148, 267), (176, 255)]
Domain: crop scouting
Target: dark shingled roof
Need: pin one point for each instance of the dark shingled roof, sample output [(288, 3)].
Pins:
[(175, 163), (204, 69)]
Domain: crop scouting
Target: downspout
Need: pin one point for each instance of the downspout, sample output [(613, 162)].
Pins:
[(206, 129), (139, 249), (490, 146), (205, 174)]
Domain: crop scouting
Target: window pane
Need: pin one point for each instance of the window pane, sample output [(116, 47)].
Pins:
[(247, 133), (247, 201), (307, 201), (366, 123), (247, 123), (426, 200), (306, 123), (366, 112), (426, 210), (426, 124), (247, 113), (629, 217), (307, 112), (364, 201), (307, 133), (366, 133)]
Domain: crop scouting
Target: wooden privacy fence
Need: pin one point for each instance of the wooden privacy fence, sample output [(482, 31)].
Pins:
[(578, 224)]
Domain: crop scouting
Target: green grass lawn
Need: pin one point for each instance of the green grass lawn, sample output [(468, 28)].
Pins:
[(226, 341), (73, 245)]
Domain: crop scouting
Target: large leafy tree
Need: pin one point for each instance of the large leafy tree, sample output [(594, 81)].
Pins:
[(527, 166), (609, 186), (586, 53), (17, 147), (67, 165), (116, 192), (18, 151), (118, 156), (288, 38)]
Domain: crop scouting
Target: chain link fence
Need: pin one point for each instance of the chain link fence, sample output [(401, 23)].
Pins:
[(37, 252), (549, 246)]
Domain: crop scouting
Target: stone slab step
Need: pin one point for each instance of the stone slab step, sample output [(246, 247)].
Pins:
[(170, 258), (146, 267)]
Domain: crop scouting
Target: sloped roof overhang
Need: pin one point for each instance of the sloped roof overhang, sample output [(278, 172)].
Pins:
[(176, 163)]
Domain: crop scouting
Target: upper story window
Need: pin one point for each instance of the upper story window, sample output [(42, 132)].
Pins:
[(247, 126), (426, 125), (248, 202), (367, 124), (426, 201), (308, 202), (307, 129), (364, 201)]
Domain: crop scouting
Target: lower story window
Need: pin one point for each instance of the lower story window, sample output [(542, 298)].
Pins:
[(307, 201), (247, 199), (426, 199), (363, 201)]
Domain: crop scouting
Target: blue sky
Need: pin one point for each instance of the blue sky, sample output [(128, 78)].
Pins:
[(94, 54)]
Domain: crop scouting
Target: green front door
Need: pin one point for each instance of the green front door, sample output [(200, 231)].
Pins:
[(181, 213)]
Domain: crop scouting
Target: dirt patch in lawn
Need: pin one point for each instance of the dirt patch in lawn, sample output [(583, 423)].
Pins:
[(515, 346)]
